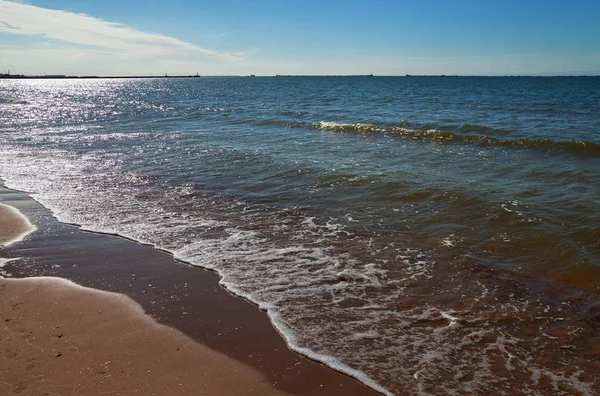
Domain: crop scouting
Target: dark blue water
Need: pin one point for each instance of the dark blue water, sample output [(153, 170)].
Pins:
[(424, 234)]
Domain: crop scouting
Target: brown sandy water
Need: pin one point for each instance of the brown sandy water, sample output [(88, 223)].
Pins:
[(438, 326), (454, 325)]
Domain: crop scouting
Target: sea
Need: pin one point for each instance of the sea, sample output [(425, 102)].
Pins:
[(425, 235)]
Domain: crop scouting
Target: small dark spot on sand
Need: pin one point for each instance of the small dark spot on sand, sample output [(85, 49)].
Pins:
[(57, 354)]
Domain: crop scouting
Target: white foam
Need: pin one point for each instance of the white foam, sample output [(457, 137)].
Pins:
[(451, 240), (362, 319), (328, 360), (3, 262), (454, 320)]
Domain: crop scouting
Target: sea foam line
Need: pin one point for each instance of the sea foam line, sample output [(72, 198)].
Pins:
[(275, 317)]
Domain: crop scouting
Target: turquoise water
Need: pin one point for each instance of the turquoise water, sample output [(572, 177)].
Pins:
[(424, 234)]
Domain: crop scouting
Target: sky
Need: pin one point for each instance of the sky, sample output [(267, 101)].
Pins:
[(268, 37)]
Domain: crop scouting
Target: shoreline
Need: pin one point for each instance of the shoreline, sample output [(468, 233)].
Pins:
[(14, 227), (185, 298), (88, 342)]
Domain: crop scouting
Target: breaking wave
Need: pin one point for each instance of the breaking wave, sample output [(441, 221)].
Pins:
[(447, 136), (12, 101)]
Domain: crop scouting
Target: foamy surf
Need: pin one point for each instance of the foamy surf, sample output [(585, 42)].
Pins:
[(419, 235), (322, 300), (441, 136)]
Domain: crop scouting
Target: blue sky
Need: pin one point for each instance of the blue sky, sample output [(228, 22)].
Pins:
[(266, 37)]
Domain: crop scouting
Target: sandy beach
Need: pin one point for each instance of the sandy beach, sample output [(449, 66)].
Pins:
[(58, 337), (61, 338)]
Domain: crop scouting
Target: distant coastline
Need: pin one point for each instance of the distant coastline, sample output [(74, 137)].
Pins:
[(64, 76), (323, 75)]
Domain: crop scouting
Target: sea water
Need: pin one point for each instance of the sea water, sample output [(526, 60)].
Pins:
[(427, 235)]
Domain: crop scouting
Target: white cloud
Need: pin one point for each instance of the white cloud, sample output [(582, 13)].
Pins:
[(77, 44), (93, 34)]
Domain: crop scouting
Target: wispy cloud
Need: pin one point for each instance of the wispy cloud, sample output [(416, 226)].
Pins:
[(87, 32)]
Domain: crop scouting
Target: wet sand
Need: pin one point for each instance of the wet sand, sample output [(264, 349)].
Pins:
[(13, 225), (60, 338), (225, 337)]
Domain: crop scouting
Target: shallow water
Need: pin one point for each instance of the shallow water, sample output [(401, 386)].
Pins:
[(424, 234)]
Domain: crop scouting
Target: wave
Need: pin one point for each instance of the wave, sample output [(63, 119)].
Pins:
[(447, 136), (284, 123), (13, 101), (467, 133)]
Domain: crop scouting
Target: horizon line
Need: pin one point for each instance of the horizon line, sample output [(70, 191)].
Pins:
[(66, 76)]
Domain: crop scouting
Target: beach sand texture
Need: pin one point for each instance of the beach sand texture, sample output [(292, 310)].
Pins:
[(61, 338)]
